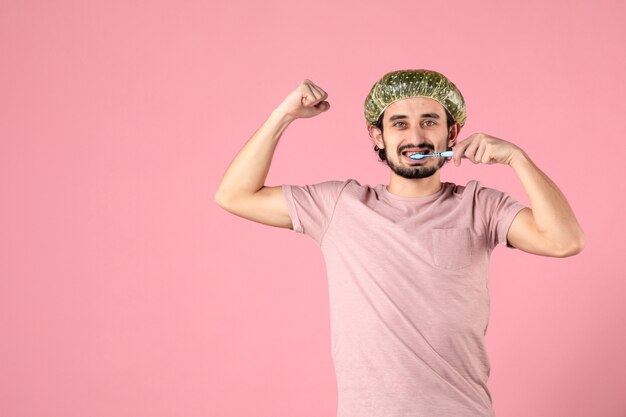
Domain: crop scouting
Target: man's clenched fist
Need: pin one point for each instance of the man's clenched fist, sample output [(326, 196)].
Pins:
[(307, 100)]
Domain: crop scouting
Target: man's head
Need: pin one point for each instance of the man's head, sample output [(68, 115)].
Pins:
[(417, 111)]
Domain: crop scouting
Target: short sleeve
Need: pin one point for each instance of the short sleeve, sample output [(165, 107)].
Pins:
[(311, 206), (499, 209)]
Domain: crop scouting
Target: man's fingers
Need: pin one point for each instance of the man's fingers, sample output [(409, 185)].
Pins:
[(470, 152), (483, 149), (310, 99), (307, 100), (459, 151), (321, 93), (480, 153), (323, 106), (316, 100)]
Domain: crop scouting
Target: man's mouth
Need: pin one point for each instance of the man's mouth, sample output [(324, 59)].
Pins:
[(411, 151)]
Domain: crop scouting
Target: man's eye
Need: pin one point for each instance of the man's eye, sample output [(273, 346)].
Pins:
[(429, 123), (399, 123)]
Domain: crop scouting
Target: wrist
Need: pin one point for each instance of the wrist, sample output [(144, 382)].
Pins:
[(518, 157), (281, 116)]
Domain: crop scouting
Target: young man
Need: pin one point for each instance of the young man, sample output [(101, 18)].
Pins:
[(407, 262)]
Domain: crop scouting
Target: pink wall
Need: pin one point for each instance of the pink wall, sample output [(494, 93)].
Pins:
[(126, 291)]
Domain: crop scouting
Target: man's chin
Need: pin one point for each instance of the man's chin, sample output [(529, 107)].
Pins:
[(424, 173), (414, 171), (418, 172)]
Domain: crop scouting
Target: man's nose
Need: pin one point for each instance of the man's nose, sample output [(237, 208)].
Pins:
[(418, 136)]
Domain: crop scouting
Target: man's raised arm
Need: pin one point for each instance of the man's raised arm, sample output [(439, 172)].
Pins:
[(242, 191), (549, 227)]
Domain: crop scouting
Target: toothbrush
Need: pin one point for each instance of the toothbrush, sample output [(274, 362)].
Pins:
[(446, 154)]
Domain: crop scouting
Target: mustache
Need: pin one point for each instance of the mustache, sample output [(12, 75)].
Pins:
[(422, 146)]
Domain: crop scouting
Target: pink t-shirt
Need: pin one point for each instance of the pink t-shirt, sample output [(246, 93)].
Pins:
[(408, 293)]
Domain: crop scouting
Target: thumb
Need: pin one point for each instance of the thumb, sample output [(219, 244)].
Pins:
[(323, 106)]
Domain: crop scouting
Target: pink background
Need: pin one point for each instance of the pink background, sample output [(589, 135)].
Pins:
[(126, 291)]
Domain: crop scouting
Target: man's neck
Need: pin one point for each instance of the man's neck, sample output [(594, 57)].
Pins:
[(417, 187)]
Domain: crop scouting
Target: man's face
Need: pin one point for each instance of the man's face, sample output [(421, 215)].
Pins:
[(415, 125)]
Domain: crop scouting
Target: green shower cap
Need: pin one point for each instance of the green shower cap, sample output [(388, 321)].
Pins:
[(398, 85)]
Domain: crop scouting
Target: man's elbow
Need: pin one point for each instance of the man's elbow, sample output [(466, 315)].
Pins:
[(573, 247), (222, 201), (581, 242)]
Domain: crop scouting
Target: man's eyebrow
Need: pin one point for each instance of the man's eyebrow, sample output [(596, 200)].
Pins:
[(402, 116), (396, 117)]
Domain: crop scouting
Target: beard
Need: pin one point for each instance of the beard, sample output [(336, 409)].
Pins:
[(417, 171)]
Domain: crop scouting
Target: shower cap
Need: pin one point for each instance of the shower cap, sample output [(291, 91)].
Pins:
[(398, 85)]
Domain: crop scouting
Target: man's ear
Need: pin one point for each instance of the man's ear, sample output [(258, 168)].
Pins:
[(377, 136), (453, 136)]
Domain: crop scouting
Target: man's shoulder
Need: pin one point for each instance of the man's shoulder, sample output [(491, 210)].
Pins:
[(349, 183), (458, 189), (471, 185), (332, 188), (327, 187), (475, 190)]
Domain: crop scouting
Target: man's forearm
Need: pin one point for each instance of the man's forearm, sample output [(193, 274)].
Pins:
[(247, 172), (552, 213)]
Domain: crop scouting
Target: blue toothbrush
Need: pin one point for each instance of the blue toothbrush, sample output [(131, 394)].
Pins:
[(421, 155)]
